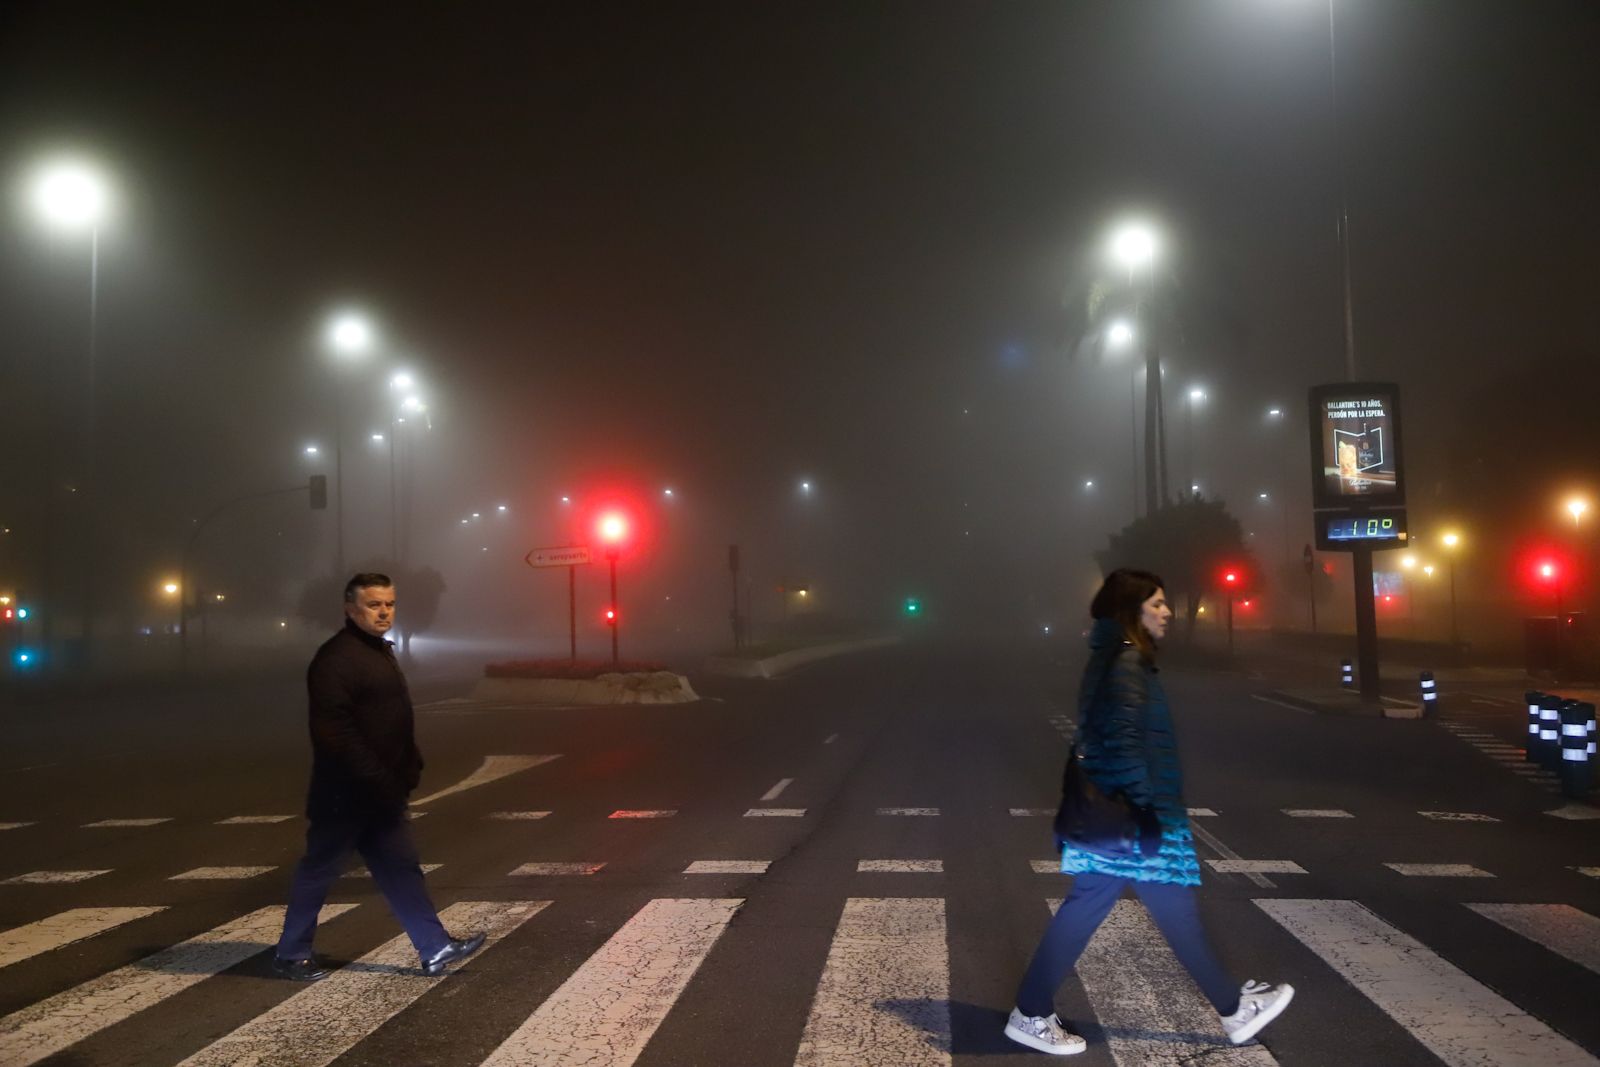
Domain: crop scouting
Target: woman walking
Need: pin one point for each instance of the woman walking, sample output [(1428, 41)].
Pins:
[(1128, 748)]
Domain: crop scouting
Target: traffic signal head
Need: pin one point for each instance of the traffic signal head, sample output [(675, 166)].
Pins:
[(611, 616), (913, 606), (613, 528)]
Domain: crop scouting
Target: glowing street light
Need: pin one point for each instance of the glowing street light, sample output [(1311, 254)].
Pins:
[(350, 333), (313, 450), (1119, 334), (1408, 562), (1577, 505), (70, 194), (1133, 245), (402, 381)]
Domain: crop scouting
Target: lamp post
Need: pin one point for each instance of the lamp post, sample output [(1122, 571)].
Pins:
[(1196, 396), (72, 196), (1118, 335), (349, 337), (1134, 247), (1452, 541)]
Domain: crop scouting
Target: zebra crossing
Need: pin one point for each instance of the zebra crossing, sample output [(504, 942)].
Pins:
[(882, 996)]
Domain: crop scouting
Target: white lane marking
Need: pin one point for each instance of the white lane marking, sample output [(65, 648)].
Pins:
[(547, 869), (1491, 703), (1201, 813), (884, 996), (775, 813), (1215, 844), (322, 1022), (518, 816), (1577, 812), (654, 813), (1256, 867), (492, 769), (1152, 1013), (254, 820), (1045, 866), (831, 738), (727, 867), (772, 794), (1282, 704), (64, 928), (1028, 813), (53, 877), (1561, 928), (1317, 813), (50, 1025), (908, 811), (1457, 816), (1438, 870), (900, 867), (219, 874), (1588, 872), (106, 824), (362, 872), (607, 1010), (1459, 1020), (14, 825)]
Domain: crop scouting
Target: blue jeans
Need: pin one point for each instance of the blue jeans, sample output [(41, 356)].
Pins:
[(1175, 914), (384, 841)]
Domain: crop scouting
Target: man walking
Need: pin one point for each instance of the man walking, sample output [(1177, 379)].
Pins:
[(364, 766)]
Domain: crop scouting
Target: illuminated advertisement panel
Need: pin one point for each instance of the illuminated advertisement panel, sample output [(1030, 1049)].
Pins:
[(1356, 446)]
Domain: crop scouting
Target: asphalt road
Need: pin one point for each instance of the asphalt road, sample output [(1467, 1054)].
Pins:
[(929, 763)]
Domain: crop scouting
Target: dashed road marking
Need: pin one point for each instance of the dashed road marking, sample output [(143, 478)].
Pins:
[(1028, 813), (727, 867), (362, 872), (772, 794), (14, 825), (1561, 928), (1256, 867), (1438, 870), (549, 869), (220, 874), (1457, 816), (254, 820), (108, 824), (53, 877), (644, 813), (900, 867), (517, 816), (1317, 813), (908, 811), (775, 813)]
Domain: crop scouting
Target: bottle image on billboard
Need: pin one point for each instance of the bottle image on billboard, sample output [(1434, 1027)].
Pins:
[(1358, 457)]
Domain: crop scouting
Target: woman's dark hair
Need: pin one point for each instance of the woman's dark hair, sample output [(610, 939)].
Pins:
[(1121, 597)]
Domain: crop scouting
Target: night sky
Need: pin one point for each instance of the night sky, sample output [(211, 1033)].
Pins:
[(727, 247)]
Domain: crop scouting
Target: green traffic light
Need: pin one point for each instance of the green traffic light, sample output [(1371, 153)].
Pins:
[(913, 606)]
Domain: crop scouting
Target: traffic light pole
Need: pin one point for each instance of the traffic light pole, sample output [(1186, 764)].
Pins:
[(572, 609), (616, 620)]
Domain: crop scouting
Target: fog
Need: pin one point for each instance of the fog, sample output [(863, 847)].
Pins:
[(727, 250)]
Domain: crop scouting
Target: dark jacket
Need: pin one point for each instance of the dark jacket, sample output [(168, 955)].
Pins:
[(364, 758), (1129, 747)]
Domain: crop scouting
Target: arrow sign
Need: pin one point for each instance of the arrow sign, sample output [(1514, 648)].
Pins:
[(563, 556)]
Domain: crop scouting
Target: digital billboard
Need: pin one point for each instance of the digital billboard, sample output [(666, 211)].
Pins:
[(1356, 446)]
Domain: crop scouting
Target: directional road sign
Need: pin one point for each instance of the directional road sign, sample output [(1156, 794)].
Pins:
[(560, 556)]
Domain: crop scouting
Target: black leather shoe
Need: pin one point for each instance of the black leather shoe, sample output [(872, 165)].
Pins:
[(458, 949), (298, 970)]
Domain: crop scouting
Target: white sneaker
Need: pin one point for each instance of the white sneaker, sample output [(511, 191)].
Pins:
[(1259, 1004), (1044, 1033)]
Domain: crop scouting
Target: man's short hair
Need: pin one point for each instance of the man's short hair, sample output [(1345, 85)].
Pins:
[(364, 580)]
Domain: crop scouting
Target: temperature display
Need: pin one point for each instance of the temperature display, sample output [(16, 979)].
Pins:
[(1366, 528)]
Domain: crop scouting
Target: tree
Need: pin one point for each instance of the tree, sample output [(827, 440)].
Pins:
[(1187, 544)]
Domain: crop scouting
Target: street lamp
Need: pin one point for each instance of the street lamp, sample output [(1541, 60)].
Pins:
[(71, 196), (349, 336), (1119, 334), (1577, 505), (1134, 246), (1452, 541)]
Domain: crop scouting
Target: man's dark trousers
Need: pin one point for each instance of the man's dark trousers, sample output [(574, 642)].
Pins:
[(384, 841)]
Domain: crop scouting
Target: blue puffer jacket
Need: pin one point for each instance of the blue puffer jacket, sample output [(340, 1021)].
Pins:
[(1125, 729)]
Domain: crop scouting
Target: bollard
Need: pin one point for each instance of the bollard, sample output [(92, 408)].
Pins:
[(1575, 767), (1430, 694), (1531, 752), (1347, 674), (1549, 749), (1588, 709)]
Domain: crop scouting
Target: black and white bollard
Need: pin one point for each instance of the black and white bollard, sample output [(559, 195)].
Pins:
[(1347, 674), (1588, 709), (1549, 731), (1575, 766), (1531, 752), (1430, 694)]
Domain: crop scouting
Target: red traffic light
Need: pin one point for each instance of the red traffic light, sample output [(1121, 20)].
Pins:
[(612, 527), (611, 616)]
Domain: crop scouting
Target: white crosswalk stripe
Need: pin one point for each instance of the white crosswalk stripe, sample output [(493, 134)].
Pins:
[(1458, 1019), (324, 1021), (883, 998), (1143, 998), (1560, 928), (47, 1027), (607, 1011), (64, 928)]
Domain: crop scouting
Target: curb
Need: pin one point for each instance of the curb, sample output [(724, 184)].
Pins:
[(772, 666), (659, 687), (1345, 702)]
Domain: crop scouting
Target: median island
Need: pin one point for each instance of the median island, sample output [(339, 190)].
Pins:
[(581, 682)]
